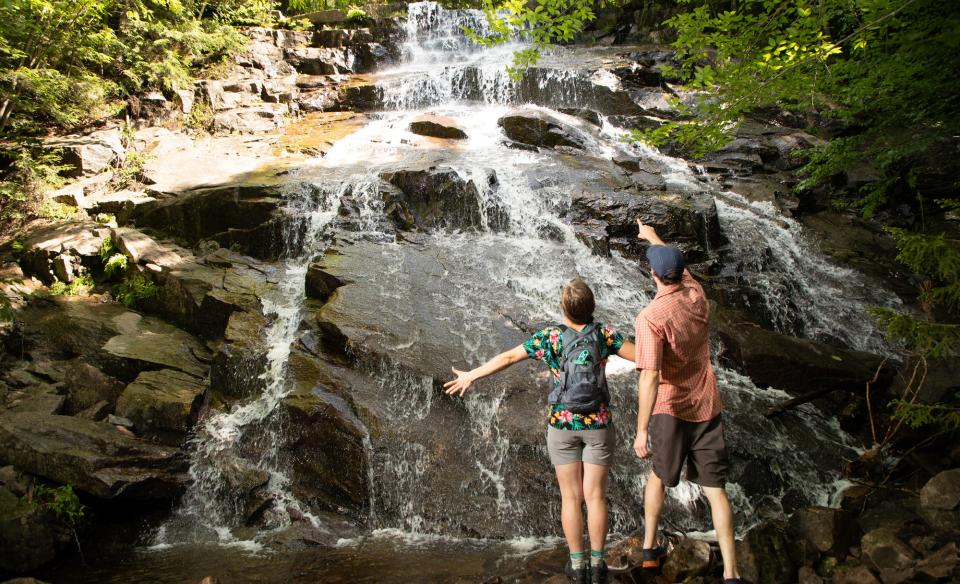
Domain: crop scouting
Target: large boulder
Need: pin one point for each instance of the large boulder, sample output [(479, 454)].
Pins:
[(163, 404), (92, 153), (439, 197), (940, 501), (890, 557), (63, 250), (241, 360), (821, 530), (112, 338), (539, 129), (606, 220), (792, 364), (92, 456), (689, 559), (763, 555)]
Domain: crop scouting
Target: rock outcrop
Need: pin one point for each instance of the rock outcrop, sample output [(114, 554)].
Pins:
[(92, 456)]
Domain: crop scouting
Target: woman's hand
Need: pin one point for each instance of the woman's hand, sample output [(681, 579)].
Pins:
[(459, 385)]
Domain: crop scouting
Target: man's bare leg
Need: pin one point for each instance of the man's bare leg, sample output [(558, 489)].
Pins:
[(723, 524), (653, 496)]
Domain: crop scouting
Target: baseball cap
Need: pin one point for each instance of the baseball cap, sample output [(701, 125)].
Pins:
[(666, 260)]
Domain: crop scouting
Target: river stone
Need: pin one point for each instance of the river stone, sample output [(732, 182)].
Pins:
[(854, 574), (162, 402), (763, 555), (940, 564), (93, 457), (537, 128), (821, 530), (940, 501), (438, 197), (889, 556), (320, 285), (688, 559), (792, 364), (437, 127), (28, 539)]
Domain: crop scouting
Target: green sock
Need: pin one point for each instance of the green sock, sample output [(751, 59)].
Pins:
[(578, 560), (596, 557)]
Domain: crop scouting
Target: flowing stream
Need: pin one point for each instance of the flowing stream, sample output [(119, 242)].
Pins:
[(453, 290)]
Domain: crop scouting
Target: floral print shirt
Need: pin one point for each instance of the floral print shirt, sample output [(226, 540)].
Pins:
[(547, 346)]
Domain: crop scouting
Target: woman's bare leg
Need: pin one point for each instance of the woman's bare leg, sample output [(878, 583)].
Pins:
[(570, 478)]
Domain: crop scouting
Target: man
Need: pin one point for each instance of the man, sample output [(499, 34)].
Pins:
[(679, 404)]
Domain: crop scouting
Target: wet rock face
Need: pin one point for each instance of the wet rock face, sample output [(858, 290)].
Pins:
[(608, 221), (797, 365), (325, 451), (536, 128), (763, 555), (689, 559), (438, 197), (92, 456)]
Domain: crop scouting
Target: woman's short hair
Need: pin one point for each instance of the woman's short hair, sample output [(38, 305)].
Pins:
[(576, 301)]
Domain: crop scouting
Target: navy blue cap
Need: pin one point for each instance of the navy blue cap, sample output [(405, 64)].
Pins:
[(666, 260)]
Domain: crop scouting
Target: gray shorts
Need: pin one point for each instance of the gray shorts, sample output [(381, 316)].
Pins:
[(590, 446)]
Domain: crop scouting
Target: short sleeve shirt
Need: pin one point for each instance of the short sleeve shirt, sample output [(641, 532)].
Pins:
[(547, 346), (673, 336)]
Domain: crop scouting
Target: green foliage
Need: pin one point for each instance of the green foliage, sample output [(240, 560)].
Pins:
[(80, 286), (543, 24), (117, 264), (62, 502), (201, 117), (944, 416), (131, 171), (134, 289), (33, 172), (107, 249), (356, 15), (51, 56), (936, 256)]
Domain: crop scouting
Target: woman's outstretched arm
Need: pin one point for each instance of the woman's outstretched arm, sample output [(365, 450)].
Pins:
[(464, 379)]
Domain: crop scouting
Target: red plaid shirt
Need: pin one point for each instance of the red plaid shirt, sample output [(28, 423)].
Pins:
[(673, 336)]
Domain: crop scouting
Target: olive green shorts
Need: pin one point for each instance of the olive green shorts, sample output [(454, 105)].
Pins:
[(589, 446)]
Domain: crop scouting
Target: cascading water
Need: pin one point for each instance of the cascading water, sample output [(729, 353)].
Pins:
[(222, 457), (457, 286)]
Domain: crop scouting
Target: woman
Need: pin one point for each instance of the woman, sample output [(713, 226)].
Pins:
[(580, 434)]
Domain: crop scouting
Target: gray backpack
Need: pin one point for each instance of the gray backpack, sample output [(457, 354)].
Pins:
[(583, 384)]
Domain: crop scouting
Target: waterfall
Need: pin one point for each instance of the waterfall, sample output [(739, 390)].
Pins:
[(473, 279)]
